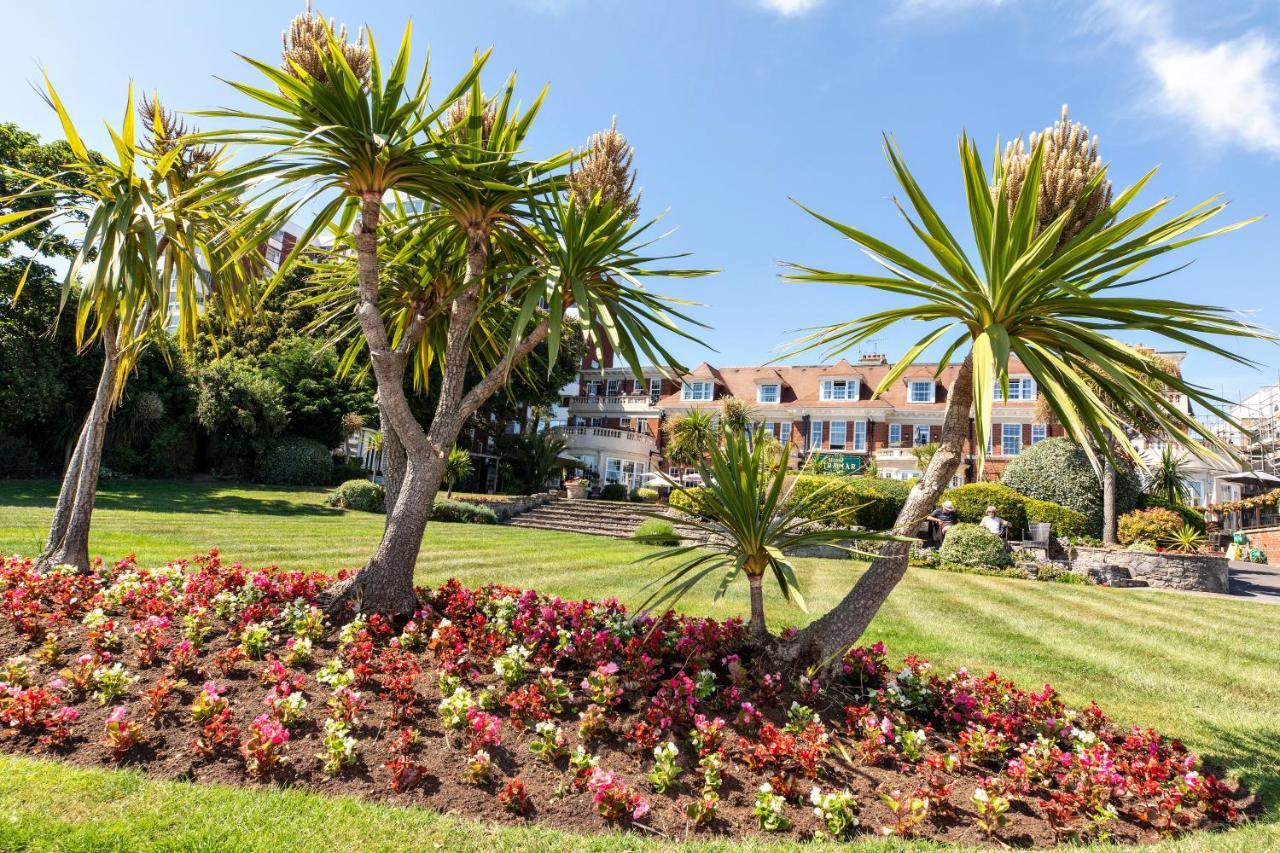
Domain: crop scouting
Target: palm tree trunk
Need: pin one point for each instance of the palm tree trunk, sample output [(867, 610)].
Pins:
[(1109, 522), (73, 514), (393, 461), (828, 638), (759, 632)]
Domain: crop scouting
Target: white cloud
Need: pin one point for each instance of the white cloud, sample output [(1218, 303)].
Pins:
[(789, 8), (1228, 90), (909, 8)]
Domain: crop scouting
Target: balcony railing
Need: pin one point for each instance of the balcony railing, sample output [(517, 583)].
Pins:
[(895, 454), (612, 402), (603, 438)]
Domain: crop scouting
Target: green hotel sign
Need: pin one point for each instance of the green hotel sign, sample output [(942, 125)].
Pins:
[(842, 463)]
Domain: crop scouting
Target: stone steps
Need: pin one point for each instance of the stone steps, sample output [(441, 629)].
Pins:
[(599, 518)]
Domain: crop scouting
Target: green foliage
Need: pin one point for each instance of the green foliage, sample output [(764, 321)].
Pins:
[(614, 492), (1065, 521), (1058, 470), (241, 410), (18, 459), (656, 531), (457, 467), (531, 460), (313, 398), (971, 545), (296, 461), (1156, 526), (348, 469), (972, 500), (644, 495), (1168, 478), (1186, 540), (462, 512), (689, 436), (870, 502), (360, 495), (688, 500), (1189, 516)]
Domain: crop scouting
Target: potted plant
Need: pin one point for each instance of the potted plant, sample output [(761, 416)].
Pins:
[(576, 488)]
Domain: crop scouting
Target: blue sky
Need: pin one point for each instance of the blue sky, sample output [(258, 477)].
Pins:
[(735, 105)]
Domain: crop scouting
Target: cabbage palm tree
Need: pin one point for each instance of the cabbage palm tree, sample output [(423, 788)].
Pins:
[(148, 236), (746, 524), (1168, 478), (457, 466), (1053, 302), (347, 135), (690, 436)]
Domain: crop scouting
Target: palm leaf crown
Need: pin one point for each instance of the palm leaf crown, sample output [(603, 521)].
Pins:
[(1054, 304)]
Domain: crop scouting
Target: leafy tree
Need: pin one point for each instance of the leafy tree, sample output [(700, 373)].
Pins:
[(1050, 295), (457, 466), (1169, 478), (690, 436), (495, 233), (147, 234), (1059, 470), (242, 410)]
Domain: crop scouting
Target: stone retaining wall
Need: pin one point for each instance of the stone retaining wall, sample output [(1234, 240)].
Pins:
[(507, 509), (1199, 572)]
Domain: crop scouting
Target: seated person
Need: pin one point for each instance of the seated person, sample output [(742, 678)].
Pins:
[(993, 522), (942, 518)]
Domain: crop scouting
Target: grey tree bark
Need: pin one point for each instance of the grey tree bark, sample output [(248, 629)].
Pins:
[(393, 459), (825, 640), (1109, 521), (757, 626), (73, 514)]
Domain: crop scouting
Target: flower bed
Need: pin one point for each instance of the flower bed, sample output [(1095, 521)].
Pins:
[(505, 704)]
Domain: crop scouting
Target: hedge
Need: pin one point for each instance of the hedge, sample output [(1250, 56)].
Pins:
[(971, 545), (656, 531), (462, 512), (1058, 470), (358, 494), (972, 500), (870, 502), (686, 500), (614, 492), (1190, 516), (1065, 521), (296, 461), (644, 495)]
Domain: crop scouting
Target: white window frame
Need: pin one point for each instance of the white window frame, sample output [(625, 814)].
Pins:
[(928, 395), (1039, 432), (776, 389), (698, 391), (612, 387), (815, 434), (859, 435), (593, 387), (917, 430), (784, 432), (842, 433), (850, 389), (597, 421), (1010, 438), (624, 422), (655, 387), (1021, 388), (895, 428), (1196, 489)]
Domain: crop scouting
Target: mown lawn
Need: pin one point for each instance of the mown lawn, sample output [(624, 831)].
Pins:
[(1201, 668)]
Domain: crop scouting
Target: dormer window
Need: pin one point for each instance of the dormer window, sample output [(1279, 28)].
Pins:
[(768, 392), (921, 391), (697, 391), (839, 389)]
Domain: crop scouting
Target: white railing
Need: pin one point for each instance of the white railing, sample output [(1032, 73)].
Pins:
[(606, 436), (884, 454), (622, 402)]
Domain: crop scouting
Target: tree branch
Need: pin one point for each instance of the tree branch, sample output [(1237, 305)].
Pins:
[(486, 387)]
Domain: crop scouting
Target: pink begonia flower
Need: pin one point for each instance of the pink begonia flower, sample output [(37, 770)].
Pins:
[(212, 688), (118, 714), (609, 668), (58, 684), (641, 809)]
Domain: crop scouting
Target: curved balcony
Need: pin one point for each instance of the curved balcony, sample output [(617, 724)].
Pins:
[(895, 455), (612, 404), (608, 440)]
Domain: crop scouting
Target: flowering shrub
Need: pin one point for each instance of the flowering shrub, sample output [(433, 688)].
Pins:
[(836, 809), (514, 798), (263, 749), (769, 810), (665, 769), (339, 747), (613, 798), (547, 742), (120, 734), (479, 768)]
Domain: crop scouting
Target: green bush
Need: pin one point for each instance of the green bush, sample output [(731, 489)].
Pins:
[(1189, 516), (358, 494), (870, 502), (1058, 470), (1065, 520), (1156, 526), (614, 492), (972, 500), (686, 500), (656, 531), (462, 512), (18, 459), (971, 545), (347, 469), (296, 461), (124, 460), (643, 495), (172, 453)]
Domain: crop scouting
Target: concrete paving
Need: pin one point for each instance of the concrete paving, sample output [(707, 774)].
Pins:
[(1250, 580)]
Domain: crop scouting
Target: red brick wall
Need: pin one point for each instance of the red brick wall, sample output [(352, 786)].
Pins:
[(1268, 539)]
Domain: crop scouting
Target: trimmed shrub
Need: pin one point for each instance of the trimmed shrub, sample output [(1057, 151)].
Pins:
[(656, 531), (971, 545), (1065, 520), (18, 458), (172, 453), (358, 494), (462, 512), (1155, 525), (1058, 470), (870, 502), (1191, 517), (614, 492), (643, 495), (126, 460), (296, 461), (347, 469), (686, 500), (972, 500)]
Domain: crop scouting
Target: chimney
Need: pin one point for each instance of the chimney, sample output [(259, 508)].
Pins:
[(872, 359)]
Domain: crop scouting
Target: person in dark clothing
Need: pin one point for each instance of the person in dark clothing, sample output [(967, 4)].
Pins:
[(940, 519)]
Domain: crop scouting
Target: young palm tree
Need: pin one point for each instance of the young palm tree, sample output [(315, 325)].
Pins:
[(457, 466), (146, 237), (1169, 478), (1033, 293), (690, 436), (748, 525), (349, 140)]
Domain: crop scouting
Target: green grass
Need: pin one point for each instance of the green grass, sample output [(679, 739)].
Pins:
[(1201, 668)]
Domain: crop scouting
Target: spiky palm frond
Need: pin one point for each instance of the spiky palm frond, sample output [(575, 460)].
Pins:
[(1055, 308)]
